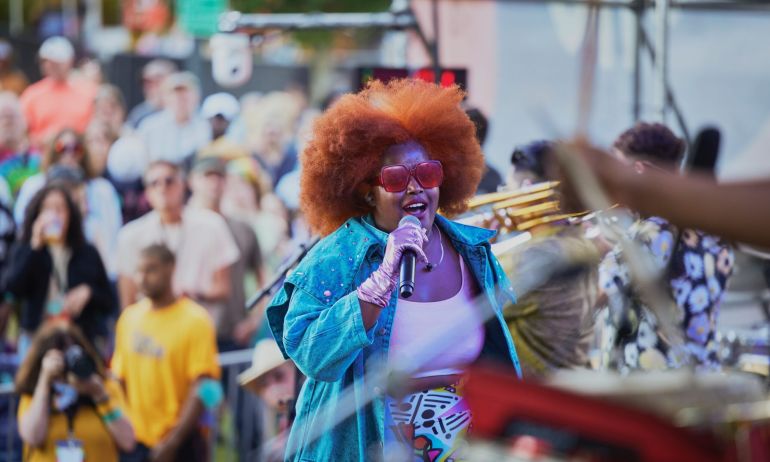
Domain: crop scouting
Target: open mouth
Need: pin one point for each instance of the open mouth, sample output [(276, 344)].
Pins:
[(416, 208)]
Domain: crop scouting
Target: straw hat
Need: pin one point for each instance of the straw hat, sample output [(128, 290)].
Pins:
[(265, 358)]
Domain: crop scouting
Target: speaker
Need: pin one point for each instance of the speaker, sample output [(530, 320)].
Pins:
[(231, 59)]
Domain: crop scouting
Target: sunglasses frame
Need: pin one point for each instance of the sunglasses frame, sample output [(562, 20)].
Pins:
[(412, 174)]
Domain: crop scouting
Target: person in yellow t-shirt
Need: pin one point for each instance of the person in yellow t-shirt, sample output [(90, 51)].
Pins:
[(69, 405), (166, 356)]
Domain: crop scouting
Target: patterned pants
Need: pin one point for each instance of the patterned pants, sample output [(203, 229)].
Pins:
[(431, 424)]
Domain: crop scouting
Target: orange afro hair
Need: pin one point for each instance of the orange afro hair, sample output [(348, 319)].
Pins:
[(350, 139)]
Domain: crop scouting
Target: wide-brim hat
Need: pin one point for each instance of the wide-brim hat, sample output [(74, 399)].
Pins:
[(266, 357)]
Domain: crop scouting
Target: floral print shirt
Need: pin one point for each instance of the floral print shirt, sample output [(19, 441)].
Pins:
[(697, 267)]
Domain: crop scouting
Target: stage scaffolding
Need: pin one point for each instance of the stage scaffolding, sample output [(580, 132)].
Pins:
[(402, 17)]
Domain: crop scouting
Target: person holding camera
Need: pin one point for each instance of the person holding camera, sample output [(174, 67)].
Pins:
[(54, 272), (69, 408)]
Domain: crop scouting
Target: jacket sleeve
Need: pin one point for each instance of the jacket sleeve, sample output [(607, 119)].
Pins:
[(101, 294), (25, 265), (323, 340)]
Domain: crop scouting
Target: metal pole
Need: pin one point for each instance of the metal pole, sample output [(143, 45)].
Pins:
[(671, 100), (70, 13), (694, 5), (637, 78), (16, 16), (10, 439), (661, 63), (434, 44)]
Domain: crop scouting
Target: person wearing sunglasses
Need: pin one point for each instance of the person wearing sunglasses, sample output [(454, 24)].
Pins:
[(402, 149), (102, 217)]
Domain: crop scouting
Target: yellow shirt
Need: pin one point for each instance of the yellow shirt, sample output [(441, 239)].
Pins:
[(98, 444), (159, 354)]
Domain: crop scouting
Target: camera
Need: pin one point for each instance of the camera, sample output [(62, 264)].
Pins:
[(78, 362)]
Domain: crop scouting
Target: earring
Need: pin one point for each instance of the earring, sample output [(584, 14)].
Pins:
[(369, 200)]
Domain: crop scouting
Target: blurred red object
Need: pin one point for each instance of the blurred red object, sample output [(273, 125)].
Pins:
[(505, 408), (145, 15)]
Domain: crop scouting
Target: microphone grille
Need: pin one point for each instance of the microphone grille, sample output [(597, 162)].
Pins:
[(409, 218)]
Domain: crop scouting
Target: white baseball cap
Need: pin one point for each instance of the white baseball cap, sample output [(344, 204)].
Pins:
[(223, 104), (57, 49)]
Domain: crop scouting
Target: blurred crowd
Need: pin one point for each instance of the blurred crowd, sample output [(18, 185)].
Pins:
[(88, 184)]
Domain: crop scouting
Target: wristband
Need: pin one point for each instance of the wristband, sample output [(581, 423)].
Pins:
[(210, 393), (112, 416)]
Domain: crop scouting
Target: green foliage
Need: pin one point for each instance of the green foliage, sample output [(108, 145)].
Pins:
[(31, 10), (111, 12)]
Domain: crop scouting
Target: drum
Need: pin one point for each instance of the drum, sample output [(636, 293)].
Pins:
[(731, 407), (650, 416)]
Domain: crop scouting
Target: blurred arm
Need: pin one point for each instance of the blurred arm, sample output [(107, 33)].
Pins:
[(127, 291), (736, 211)]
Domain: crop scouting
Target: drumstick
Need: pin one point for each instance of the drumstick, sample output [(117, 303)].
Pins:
[(588, 70)]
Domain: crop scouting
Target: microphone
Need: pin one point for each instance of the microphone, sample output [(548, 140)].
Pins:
[(408, 264)]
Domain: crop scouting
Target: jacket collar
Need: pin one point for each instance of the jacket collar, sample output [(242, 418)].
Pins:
[(464, 234)]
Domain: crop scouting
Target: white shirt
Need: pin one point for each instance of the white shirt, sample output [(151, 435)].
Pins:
[(167, 140), (202, 243)]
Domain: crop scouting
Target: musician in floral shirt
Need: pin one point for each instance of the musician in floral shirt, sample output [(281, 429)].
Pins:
[(694, 266)]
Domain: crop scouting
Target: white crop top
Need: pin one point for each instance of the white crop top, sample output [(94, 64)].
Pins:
[(414, 321)]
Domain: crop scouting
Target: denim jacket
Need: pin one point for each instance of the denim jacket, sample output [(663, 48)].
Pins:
[(316, 320)]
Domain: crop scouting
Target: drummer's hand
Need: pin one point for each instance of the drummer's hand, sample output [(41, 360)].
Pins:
[(612, 173)]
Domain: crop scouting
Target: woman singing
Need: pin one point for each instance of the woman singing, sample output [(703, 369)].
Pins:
[(405, 148)]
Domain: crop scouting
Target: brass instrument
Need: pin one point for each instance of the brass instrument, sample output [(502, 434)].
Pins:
[(511, 213)]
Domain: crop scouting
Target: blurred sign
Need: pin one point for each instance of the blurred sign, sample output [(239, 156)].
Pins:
[(200, 17), (447, 77), (231, 62), (145, 15)]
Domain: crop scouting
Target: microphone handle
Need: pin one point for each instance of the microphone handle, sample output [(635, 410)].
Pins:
[(406, 278)]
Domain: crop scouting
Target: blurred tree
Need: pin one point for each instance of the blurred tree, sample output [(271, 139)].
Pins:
[(111, 15)]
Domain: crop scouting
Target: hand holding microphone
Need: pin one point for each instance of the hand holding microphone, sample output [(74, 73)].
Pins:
[(404, 243)]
